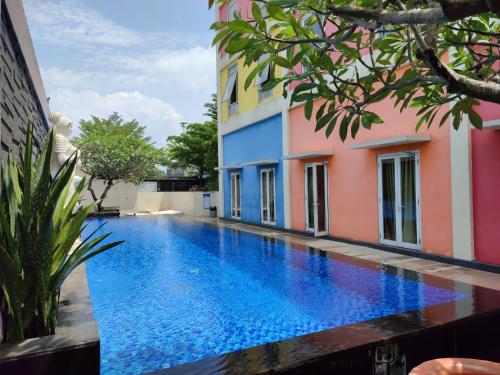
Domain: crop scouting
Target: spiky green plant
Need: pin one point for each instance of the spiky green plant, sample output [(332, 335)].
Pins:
[(39, 230)]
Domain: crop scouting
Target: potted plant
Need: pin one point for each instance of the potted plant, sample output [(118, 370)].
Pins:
[(39, 229)]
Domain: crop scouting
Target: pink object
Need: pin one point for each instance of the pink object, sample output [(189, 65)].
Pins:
[(486, 185), (457, 366)]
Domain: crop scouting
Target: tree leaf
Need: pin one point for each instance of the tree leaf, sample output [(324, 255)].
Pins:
[(308, 109), (344, 126), (355, 127), (475, 119), (324, 120)]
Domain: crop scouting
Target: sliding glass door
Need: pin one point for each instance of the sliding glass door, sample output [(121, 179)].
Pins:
[(268, 198), (399, 200), (316, 189), (235, 195)]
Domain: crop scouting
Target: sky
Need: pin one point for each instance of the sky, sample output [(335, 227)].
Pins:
[(149, 60)]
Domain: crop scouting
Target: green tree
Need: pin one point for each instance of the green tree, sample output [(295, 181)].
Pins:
[(197, 148), (115, 151), (420, 53)]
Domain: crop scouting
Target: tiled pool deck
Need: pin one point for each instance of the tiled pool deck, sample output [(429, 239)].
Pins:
[(429, 267)]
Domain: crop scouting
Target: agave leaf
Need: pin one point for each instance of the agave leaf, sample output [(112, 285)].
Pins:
[(79, 261), (37, 232)]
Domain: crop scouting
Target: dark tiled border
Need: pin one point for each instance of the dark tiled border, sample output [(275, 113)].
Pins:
[(392, 249), (74, 349), (466, 327)]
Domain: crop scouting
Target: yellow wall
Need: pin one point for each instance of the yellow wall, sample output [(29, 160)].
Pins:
[(247, 100)]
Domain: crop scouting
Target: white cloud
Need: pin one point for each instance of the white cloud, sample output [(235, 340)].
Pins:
[(71, 23), (57, 77), (191, 69), (160, 118), (186, 69), (93, 65), (68, 22)]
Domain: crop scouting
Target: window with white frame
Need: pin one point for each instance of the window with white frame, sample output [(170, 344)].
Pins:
[(268, 196), (232, 9), (231, 92), (263, 9), (316, 25), (236, 195), (264, 77)]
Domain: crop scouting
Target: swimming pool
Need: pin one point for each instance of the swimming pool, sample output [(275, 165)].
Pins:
[(178, 291)]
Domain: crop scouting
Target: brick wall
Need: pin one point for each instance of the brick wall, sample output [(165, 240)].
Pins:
[(19, 102)]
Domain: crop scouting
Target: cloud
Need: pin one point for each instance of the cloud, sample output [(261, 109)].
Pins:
[(185, 70), (68, 22), (92, 65), (71, 23), (160, 118)]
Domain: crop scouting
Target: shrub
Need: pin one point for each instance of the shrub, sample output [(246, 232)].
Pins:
[(39, 230)]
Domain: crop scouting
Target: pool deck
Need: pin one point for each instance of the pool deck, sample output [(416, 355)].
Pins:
[(429, 267)]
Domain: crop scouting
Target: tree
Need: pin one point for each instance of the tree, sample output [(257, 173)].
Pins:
[(419, 53), (115, 151), (197, 147)]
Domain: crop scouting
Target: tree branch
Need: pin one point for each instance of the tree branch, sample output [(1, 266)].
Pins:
[(448, 10), (457, 83)]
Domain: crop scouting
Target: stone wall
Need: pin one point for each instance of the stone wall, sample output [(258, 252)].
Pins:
[(20, 102)]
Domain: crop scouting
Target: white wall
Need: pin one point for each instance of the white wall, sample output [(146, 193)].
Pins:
[(121, 195), (190, 203), (130, 199)]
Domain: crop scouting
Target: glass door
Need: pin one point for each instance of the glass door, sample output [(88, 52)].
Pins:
[(399, 202), (316, 189), (235, 196), (268, 199)]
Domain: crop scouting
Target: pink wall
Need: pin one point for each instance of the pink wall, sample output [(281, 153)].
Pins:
[(489, 111), (353, 178), (486, 187)]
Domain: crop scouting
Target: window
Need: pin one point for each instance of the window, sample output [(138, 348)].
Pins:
[(263, 10), (264, 77), (232, 9), (231, 93), (316, 190), (268, 197), (235, 195), (381, 33), (399, 200), (317, 26)]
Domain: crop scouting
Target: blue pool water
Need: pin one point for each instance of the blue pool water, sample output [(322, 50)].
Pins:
[(179, 291)]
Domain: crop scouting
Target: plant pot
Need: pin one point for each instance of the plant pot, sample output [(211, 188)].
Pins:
[(457, 366)]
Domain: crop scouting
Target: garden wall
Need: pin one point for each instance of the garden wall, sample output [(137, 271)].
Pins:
[(129, 199), (23, 99)]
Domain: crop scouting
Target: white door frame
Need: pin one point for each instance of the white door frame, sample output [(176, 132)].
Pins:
[(235, 203), (264, 173), (314, 167), (397, 178)]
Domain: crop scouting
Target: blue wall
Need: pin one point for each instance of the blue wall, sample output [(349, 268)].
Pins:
[(260, 141)]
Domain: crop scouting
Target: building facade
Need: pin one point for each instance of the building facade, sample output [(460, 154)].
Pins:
[(252, 172), (23, 100), (433, 191)]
